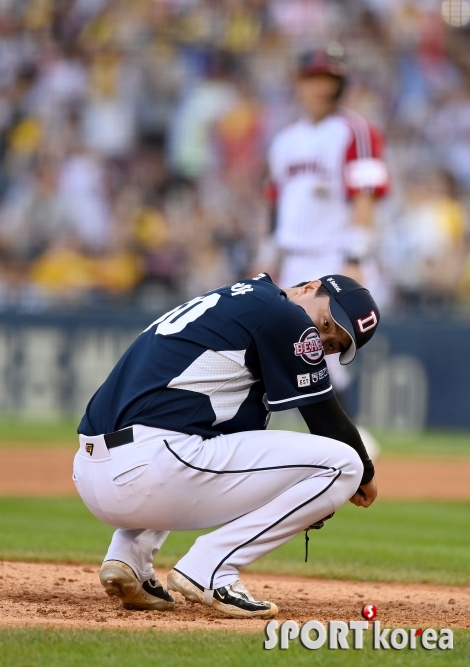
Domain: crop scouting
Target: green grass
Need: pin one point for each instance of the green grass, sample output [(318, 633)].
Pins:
[(391, 541), (22, 432), (51, 529), (433, 443), (39, 647)]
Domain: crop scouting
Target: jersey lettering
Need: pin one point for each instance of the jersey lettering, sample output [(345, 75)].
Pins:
[(177, 319), (241, 288)]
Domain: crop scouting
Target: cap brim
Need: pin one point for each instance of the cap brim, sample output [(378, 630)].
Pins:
[(342, 320), (314, 70)]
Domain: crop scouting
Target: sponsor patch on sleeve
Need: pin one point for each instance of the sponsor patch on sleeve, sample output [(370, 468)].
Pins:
[(319, 375), (303, 380)]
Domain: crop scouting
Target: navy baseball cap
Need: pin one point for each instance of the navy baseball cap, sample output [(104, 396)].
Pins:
[(354, 310)]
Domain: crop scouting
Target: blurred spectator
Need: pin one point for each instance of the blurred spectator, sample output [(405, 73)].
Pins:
[(430, 242), (82, 188), (204, 104), (163, 257), (132, 136), (306, 21), (448, 130), (64, 272), (238, 135), (62, 82), (109, 115), (117, 272), (35, 215)]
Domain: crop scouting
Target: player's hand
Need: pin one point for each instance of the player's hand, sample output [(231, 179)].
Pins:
[(365, 495)]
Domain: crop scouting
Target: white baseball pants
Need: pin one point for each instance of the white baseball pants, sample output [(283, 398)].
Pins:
[(263, 487)]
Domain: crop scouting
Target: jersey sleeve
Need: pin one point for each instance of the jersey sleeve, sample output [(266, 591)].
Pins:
[(365, 169), (291, 357)]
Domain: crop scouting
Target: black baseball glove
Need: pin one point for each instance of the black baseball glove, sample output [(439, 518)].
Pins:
[(319, 524)]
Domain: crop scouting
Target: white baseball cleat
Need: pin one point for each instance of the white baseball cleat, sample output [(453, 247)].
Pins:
[(232, 600), (119, 580)]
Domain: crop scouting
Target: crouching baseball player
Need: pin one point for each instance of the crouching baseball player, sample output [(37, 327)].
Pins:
[(175, 438)]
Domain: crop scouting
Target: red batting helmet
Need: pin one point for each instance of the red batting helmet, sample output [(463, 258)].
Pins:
[(329, 60)]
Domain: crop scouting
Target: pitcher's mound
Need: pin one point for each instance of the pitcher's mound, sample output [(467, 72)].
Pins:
[(71, 596)]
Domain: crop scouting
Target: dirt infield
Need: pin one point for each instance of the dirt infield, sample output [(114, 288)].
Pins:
[(48, 472), (71, 596)]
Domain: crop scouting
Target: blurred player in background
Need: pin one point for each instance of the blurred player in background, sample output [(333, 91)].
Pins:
[(326, 172)]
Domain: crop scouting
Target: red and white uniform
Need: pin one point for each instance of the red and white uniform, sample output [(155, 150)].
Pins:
[(315, 169)]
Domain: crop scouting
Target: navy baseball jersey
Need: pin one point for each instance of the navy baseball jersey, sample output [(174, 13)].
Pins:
[(217, 364)]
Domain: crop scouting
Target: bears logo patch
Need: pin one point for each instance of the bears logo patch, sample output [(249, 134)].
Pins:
[(310, 347)]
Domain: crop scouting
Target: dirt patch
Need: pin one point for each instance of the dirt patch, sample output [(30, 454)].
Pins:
[(48, 472), (424, 479), (36, 472), (71, 596)]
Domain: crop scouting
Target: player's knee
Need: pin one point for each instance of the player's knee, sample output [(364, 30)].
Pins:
[(355, 464), (352, 470)]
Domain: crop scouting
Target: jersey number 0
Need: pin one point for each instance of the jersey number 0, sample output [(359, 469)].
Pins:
[(177, 319)]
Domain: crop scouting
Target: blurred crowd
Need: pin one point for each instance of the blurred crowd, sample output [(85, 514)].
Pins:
[(133, 136)]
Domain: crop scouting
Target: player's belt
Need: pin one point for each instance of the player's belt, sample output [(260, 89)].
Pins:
[(118, 438)]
